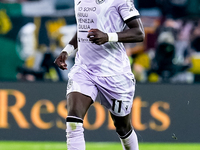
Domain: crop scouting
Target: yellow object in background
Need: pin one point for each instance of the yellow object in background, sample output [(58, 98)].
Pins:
[(143, 60), (153, 77), (195, 65)]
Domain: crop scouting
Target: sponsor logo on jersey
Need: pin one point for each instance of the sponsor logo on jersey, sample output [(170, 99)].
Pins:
[(84, 40), (100, 1)]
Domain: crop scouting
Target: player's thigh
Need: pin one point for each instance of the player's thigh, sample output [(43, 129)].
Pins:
[(78, 104), (80, 81), (81, 92)]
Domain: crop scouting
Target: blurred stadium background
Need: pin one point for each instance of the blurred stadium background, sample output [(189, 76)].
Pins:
[(166, 65)]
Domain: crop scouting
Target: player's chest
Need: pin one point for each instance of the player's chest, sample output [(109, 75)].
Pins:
[(89, 7)]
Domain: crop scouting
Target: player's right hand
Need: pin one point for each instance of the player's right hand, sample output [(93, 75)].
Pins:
[(60, 60), (96, 36)]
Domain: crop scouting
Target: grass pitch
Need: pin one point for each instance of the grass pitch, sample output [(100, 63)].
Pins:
[(19, 145)]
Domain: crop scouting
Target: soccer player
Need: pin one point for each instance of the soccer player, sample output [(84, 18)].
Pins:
[(101, 67)]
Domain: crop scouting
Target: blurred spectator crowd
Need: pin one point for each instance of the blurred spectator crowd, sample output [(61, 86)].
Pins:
[(170, 52)]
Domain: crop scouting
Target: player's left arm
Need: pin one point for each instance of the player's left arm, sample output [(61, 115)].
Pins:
[(135, 33)]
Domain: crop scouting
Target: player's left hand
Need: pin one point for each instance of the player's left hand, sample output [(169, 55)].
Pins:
[(98, 37)]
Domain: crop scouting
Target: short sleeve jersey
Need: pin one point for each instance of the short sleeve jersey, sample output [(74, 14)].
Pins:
[(108, 16)]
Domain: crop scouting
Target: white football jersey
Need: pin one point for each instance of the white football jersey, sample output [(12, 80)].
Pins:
[(108, 16)]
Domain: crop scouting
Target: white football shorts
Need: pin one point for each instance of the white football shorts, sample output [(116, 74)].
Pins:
[(115, 92)]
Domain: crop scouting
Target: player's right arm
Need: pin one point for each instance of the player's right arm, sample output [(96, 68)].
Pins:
[(74, 41), (60, 60)]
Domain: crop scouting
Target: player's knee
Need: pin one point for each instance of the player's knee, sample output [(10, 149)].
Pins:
[(75, 113), (122, 131), (78, 104), (123, 128)]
